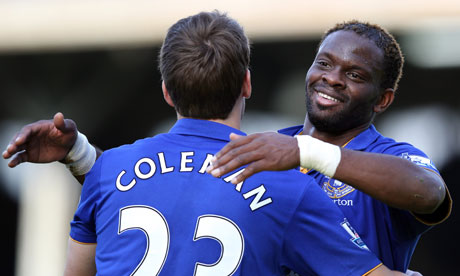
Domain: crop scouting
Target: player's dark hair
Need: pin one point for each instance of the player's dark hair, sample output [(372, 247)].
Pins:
[(203, 63), (393, 59)]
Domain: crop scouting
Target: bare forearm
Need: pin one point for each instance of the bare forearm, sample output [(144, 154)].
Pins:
[(390, 179), (395, 181), (80, 259)]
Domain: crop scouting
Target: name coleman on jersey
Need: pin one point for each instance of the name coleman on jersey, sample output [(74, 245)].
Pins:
[(123, 184)]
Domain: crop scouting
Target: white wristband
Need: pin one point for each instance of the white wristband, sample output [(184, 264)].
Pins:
[(81, 157), (318, 155)]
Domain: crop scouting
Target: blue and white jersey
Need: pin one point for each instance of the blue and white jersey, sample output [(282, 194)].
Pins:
[(390, 233), (152, 210)]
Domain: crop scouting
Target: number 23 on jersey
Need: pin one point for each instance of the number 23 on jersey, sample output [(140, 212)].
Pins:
[(156, 230)]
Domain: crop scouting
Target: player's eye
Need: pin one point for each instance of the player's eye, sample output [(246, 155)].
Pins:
[(323, 63), (354, 76)]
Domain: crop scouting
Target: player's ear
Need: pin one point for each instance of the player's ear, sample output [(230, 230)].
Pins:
[(386, 99), (246, 90), (166, 95)]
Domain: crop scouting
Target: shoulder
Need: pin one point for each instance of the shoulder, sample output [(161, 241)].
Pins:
[(288, 183), (125, 156), (290, 188), (133, 149), (129, 147), (404, 150), (379, 143), (294, 179), (291, 131)]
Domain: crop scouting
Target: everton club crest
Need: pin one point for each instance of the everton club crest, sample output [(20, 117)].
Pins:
[(335, 188)]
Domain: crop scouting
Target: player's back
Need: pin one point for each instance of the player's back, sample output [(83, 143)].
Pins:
[(156, 211)]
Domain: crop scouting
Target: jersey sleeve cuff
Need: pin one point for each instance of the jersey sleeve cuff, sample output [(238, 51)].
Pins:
[(82, 238), (79, 242), (370, 271)]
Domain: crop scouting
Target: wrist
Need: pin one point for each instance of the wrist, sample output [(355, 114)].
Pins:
[(81, 157), (318, 155)]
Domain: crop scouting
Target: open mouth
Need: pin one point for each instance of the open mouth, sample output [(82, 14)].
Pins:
[(326, 100), (327, 97)]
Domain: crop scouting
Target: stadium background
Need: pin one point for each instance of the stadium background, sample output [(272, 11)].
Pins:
[(96, 62)]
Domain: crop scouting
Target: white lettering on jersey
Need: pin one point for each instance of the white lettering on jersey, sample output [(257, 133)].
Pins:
[(185, 160), (139, 174), (206, 163), (148, 161), (230, 177), (343, 202), (163, 166), (122, 187), (149, 168), (258, 193)]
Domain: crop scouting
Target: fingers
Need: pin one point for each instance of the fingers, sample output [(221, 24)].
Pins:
[(235, 157), (231, 150), (237, 141), (6, 154), (233, 160), (11, 150), (248, 171), (234, 136), (239, 152), (18, 159), (21, 138), (17, 143)]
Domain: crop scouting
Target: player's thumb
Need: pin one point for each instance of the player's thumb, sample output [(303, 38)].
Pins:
[(64, 125)]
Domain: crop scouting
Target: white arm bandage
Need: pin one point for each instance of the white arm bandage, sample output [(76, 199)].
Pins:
[(318, 155), (81, 157)]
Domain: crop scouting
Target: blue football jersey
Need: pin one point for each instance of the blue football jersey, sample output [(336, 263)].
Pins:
[(152, 210), (390, 233)]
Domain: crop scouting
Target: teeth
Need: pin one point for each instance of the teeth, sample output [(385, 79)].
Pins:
[(327, 97)]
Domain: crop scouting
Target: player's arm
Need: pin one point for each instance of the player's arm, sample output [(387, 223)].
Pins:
[(393, 180), (80, 259), (47, 141), (384, 271)]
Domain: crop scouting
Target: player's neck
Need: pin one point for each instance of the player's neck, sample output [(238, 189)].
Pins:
[(229, 123), (234, 118), (338, 139)]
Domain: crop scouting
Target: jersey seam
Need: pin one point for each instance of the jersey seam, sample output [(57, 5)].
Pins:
[(79, 242), (373, 269)]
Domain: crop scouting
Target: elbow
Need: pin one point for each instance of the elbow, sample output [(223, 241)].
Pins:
[(431, 199)]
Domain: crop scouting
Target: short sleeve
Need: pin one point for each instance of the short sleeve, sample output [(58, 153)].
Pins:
[(83, 226), (420, 159), (320, 241)]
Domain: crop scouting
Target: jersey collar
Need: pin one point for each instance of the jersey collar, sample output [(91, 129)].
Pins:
[(204, 128), (360, 142), (364, 139)]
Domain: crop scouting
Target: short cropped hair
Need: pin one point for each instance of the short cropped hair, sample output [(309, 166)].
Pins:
[(203, 63), (393, 59)]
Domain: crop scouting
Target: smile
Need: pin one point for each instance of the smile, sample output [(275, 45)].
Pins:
[(322, 95)]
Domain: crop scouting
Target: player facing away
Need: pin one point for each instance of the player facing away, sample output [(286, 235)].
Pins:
[(353, 78), (152, 209), (390, 191)]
